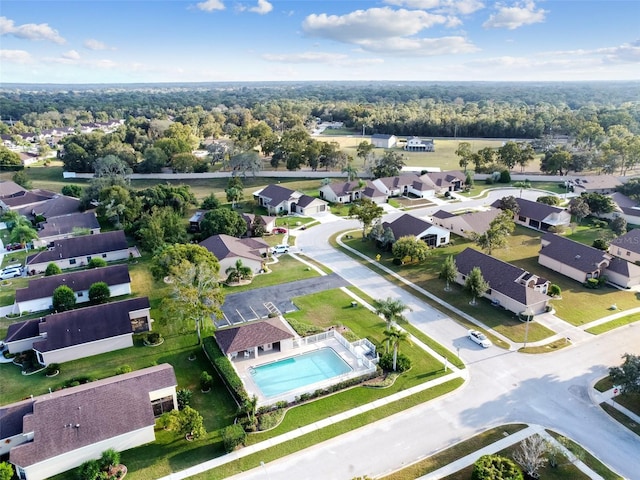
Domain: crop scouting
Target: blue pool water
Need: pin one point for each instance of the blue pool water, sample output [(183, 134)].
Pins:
[(294, 372)]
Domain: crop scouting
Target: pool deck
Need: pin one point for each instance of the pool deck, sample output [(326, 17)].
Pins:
[(243, 366)]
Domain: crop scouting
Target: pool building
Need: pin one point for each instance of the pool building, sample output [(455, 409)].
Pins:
[(275, 364)]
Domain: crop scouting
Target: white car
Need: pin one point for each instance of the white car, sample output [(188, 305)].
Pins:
[(280, 249), (479, 338), (10, 273)]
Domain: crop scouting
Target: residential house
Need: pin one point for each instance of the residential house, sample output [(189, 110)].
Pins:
[(627, 246), (596, 184), (416, 144), (572, 259), (401, 185), (347, 192), (38, 295), (510, 287), (251, 338), (25, 199), (78, 251), (408, 225), (267, 222), (53, 433), (442, 182), (539, 216), (625, 207), (66, 226), (228, 250), (56, 206), (467, 223), (277, 200), (82, 332), (9, 188), (381, 140)]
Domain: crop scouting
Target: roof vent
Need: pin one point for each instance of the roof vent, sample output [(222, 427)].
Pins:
[(577, 257)]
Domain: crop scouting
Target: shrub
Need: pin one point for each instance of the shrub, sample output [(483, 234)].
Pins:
[(505, 177), (592, 283), (225, 370), (63, 299), (184, 396), (51, 369), (72, 191), (109, 458), (206, 381), (554, 290), (494, 467), (153, 338), (99, 292), (89, 470), (52, 269), (233, 436), (549, 200), (123, 369), (403, 363), (600, 244), (97, 262), (6, 471)]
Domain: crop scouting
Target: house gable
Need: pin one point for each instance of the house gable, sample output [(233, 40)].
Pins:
[(253, 334)]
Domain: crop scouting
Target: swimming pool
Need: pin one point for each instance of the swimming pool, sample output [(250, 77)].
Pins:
[(295, 372)]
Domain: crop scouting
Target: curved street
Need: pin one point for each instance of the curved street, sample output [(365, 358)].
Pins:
[(552, 390)]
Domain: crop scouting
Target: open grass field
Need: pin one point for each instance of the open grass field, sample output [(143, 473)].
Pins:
[(444, 157)]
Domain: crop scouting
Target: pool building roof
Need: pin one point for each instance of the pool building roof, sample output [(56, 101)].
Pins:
[(250, 335)]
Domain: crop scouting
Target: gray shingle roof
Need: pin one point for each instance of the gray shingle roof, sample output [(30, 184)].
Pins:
[(88, 324), (407, 225), (629, 241), (579, 256), (276, 194), (252, 334), (534, 210), (502, 276), (65, 224), (225, 246), (54, 207), (23, 330), (81, 246), (77, 281), (77, 417)]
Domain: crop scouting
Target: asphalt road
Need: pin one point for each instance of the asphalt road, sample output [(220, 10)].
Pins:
[(551, 390), (251, 305)]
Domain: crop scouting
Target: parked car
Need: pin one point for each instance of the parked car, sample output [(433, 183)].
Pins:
[(479, 338), (280, 249), (14, 246), (10, 273), (279, 230)]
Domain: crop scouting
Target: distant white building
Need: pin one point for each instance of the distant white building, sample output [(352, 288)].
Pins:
[(416, 144), (380, 140)]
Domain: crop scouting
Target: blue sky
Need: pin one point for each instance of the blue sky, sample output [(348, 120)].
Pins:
[(130, 41)]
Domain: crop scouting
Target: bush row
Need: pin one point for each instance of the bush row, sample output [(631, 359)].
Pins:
[(226, 371)]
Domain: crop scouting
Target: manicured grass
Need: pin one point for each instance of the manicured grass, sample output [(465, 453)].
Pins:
[(449, 455), (287, 269), (618, 322), (549, 347), (621, 417), (426, 275), (591, 461)]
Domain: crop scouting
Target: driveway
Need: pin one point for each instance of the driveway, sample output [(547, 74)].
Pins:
[(254, 304)]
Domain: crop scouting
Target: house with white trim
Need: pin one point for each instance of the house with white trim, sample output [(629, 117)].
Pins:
[(78, 251), (82, 332), (417, 144), (280, 200), (38, 296), (538, 216), (53, 433), (66, 226), (228, 250), (408, 225)]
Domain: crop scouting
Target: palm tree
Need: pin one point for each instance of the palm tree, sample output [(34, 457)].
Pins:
[(391, 310), (394, 336), (350, 170), (239, 272)]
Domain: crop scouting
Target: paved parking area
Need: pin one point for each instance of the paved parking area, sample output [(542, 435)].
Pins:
[(253, 304)]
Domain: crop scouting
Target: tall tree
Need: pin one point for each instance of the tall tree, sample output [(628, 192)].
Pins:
[(395, 336), (195, 293), (223, 221), (579, 208), (389, 165), (391, 310), (99, 292), (476, 284), (234, 191), (350, 170), (627, 376), (410, 247), (496, 235), (531, 455), (367, 211), (364, 151), (449, 272), (464, 152)]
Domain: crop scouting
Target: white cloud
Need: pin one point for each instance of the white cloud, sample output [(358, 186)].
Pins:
[(421, 47), (365, 25), (93, 44), (15, 56), (262, 8), (523, 13), (463, 7), (30, 31), (71, 55), (306, 57), (210, 5)]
